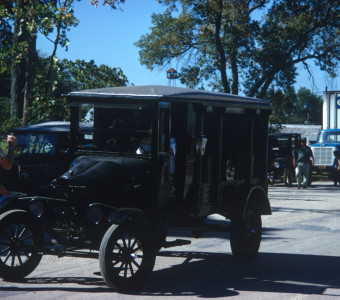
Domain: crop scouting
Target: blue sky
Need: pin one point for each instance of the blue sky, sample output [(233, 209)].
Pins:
[(107, 36)]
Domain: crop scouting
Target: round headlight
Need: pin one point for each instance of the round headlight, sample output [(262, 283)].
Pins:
[(36, 208), (94, 214)]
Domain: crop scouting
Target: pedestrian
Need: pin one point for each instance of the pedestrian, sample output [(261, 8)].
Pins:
[(302, 160), (6, 161), (336, 167)]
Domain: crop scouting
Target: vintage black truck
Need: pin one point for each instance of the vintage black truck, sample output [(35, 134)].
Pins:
[(155, 158)]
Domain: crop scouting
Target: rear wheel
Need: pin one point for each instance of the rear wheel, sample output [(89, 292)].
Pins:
[(126, 256), (20, 243), (245, 236)]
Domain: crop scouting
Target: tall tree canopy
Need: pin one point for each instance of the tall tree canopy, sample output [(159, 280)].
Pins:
[(28, 18), (66, 76), (290, 107), (256, 42), (53, 19)]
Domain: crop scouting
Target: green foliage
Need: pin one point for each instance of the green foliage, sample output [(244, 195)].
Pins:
[(225, 41), (290, 107), (114, 4), (87, 75), (7, 126), (308, 107), (55, 15), (6, 37), (66, 76), (49, 78)]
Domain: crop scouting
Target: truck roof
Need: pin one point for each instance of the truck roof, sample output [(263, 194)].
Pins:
[(152, 93)]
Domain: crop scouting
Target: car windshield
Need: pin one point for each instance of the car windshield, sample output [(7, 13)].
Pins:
[(36, 143), (329, 137), (120, 129)]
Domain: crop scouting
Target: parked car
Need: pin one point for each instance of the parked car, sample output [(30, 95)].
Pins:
[(42, 152), (157, 158), (282, 146)]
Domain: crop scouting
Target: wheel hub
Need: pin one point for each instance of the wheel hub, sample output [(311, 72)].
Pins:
[(15, 244)]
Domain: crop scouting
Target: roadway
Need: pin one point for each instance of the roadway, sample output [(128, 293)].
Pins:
[(299, 259)]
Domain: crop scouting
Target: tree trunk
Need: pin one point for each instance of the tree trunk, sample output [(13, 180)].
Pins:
[(234, 70), (220, 50), (24, 53), (29, 76), (18, 68)]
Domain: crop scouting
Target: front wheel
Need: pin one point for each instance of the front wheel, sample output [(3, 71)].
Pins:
[(20, 243), (126, 256), (245, 236)]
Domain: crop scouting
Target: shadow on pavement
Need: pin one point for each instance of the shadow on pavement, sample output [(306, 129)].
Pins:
[(212, 275)]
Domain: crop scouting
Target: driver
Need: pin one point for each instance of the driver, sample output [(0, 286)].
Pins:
[(6, 162)]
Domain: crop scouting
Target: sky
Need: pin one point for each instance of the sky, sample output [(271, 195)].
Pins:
[(107, 36)]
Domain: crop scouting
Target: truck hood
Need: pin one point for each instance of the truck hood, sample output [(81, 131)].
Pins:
[(102, 171), (326, 144)]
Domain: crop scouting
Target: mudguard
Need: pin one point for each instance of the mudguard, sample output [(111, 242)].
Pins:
[(258, 199), (126, 215)]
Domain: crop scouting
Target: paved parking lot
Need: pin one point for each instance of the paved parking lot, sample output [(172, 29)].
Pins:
[(299, 259)]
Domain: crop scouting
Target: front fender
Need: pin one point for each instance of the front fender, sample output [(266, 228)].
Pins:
[(22, 203), (126, 215), (11, 202)]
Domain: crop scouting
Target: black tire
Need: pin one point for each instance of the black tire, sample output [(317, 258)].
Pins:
[(126, 256), (245, 236), (20, 242), (288, 177)]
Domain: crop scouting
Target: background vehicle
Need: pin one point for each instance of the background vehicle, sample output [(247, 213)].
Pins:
[(328, 141), (154, 158), (43, 154), (283, 146)]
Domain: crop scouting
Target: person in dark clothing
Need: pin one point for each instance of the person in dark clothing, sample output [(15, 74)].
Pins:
[(6, 161), (336, 167), (302, 160)]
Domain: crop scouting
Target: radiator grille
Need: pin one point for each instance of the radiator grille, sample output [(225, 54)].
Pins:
[(323, 156)]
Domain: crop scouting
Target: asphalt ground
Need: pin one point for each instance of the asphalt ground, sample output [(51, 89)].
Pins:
[(299, 259)]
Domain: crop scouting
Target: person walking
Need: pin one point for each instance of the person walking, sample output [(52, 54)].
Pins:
[(302, 160), (336, 167), (6, 161)]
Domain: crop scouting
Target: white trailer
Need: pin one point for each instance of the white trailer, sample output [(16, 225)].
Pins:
[(331, 110), (329, 137)]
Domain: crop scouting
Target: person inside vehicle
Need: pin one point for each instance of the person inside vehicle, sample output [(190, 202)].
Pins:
[(336, 167), (6, 161), (144, 145)]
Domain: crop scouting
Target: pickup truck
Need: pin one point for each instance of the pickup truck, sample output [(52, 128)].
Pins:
[(323, 150)]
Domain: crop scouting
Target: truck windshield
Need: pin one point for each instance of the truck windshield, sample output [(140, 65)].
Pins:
[(329, 137), (120, 129)]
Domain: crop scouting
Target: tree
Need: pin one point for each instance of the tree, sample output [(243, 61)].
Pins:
[(290, 107), (29, 17), (228, 41), (308, 107), (294, 32), (67, 76)]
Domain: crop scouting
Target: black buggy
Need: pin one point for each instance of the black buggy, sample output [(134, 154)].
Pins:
[(155, 158)]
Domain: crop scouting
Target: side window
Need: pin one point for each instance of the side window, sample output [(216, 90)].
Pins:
[(235, 146)]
